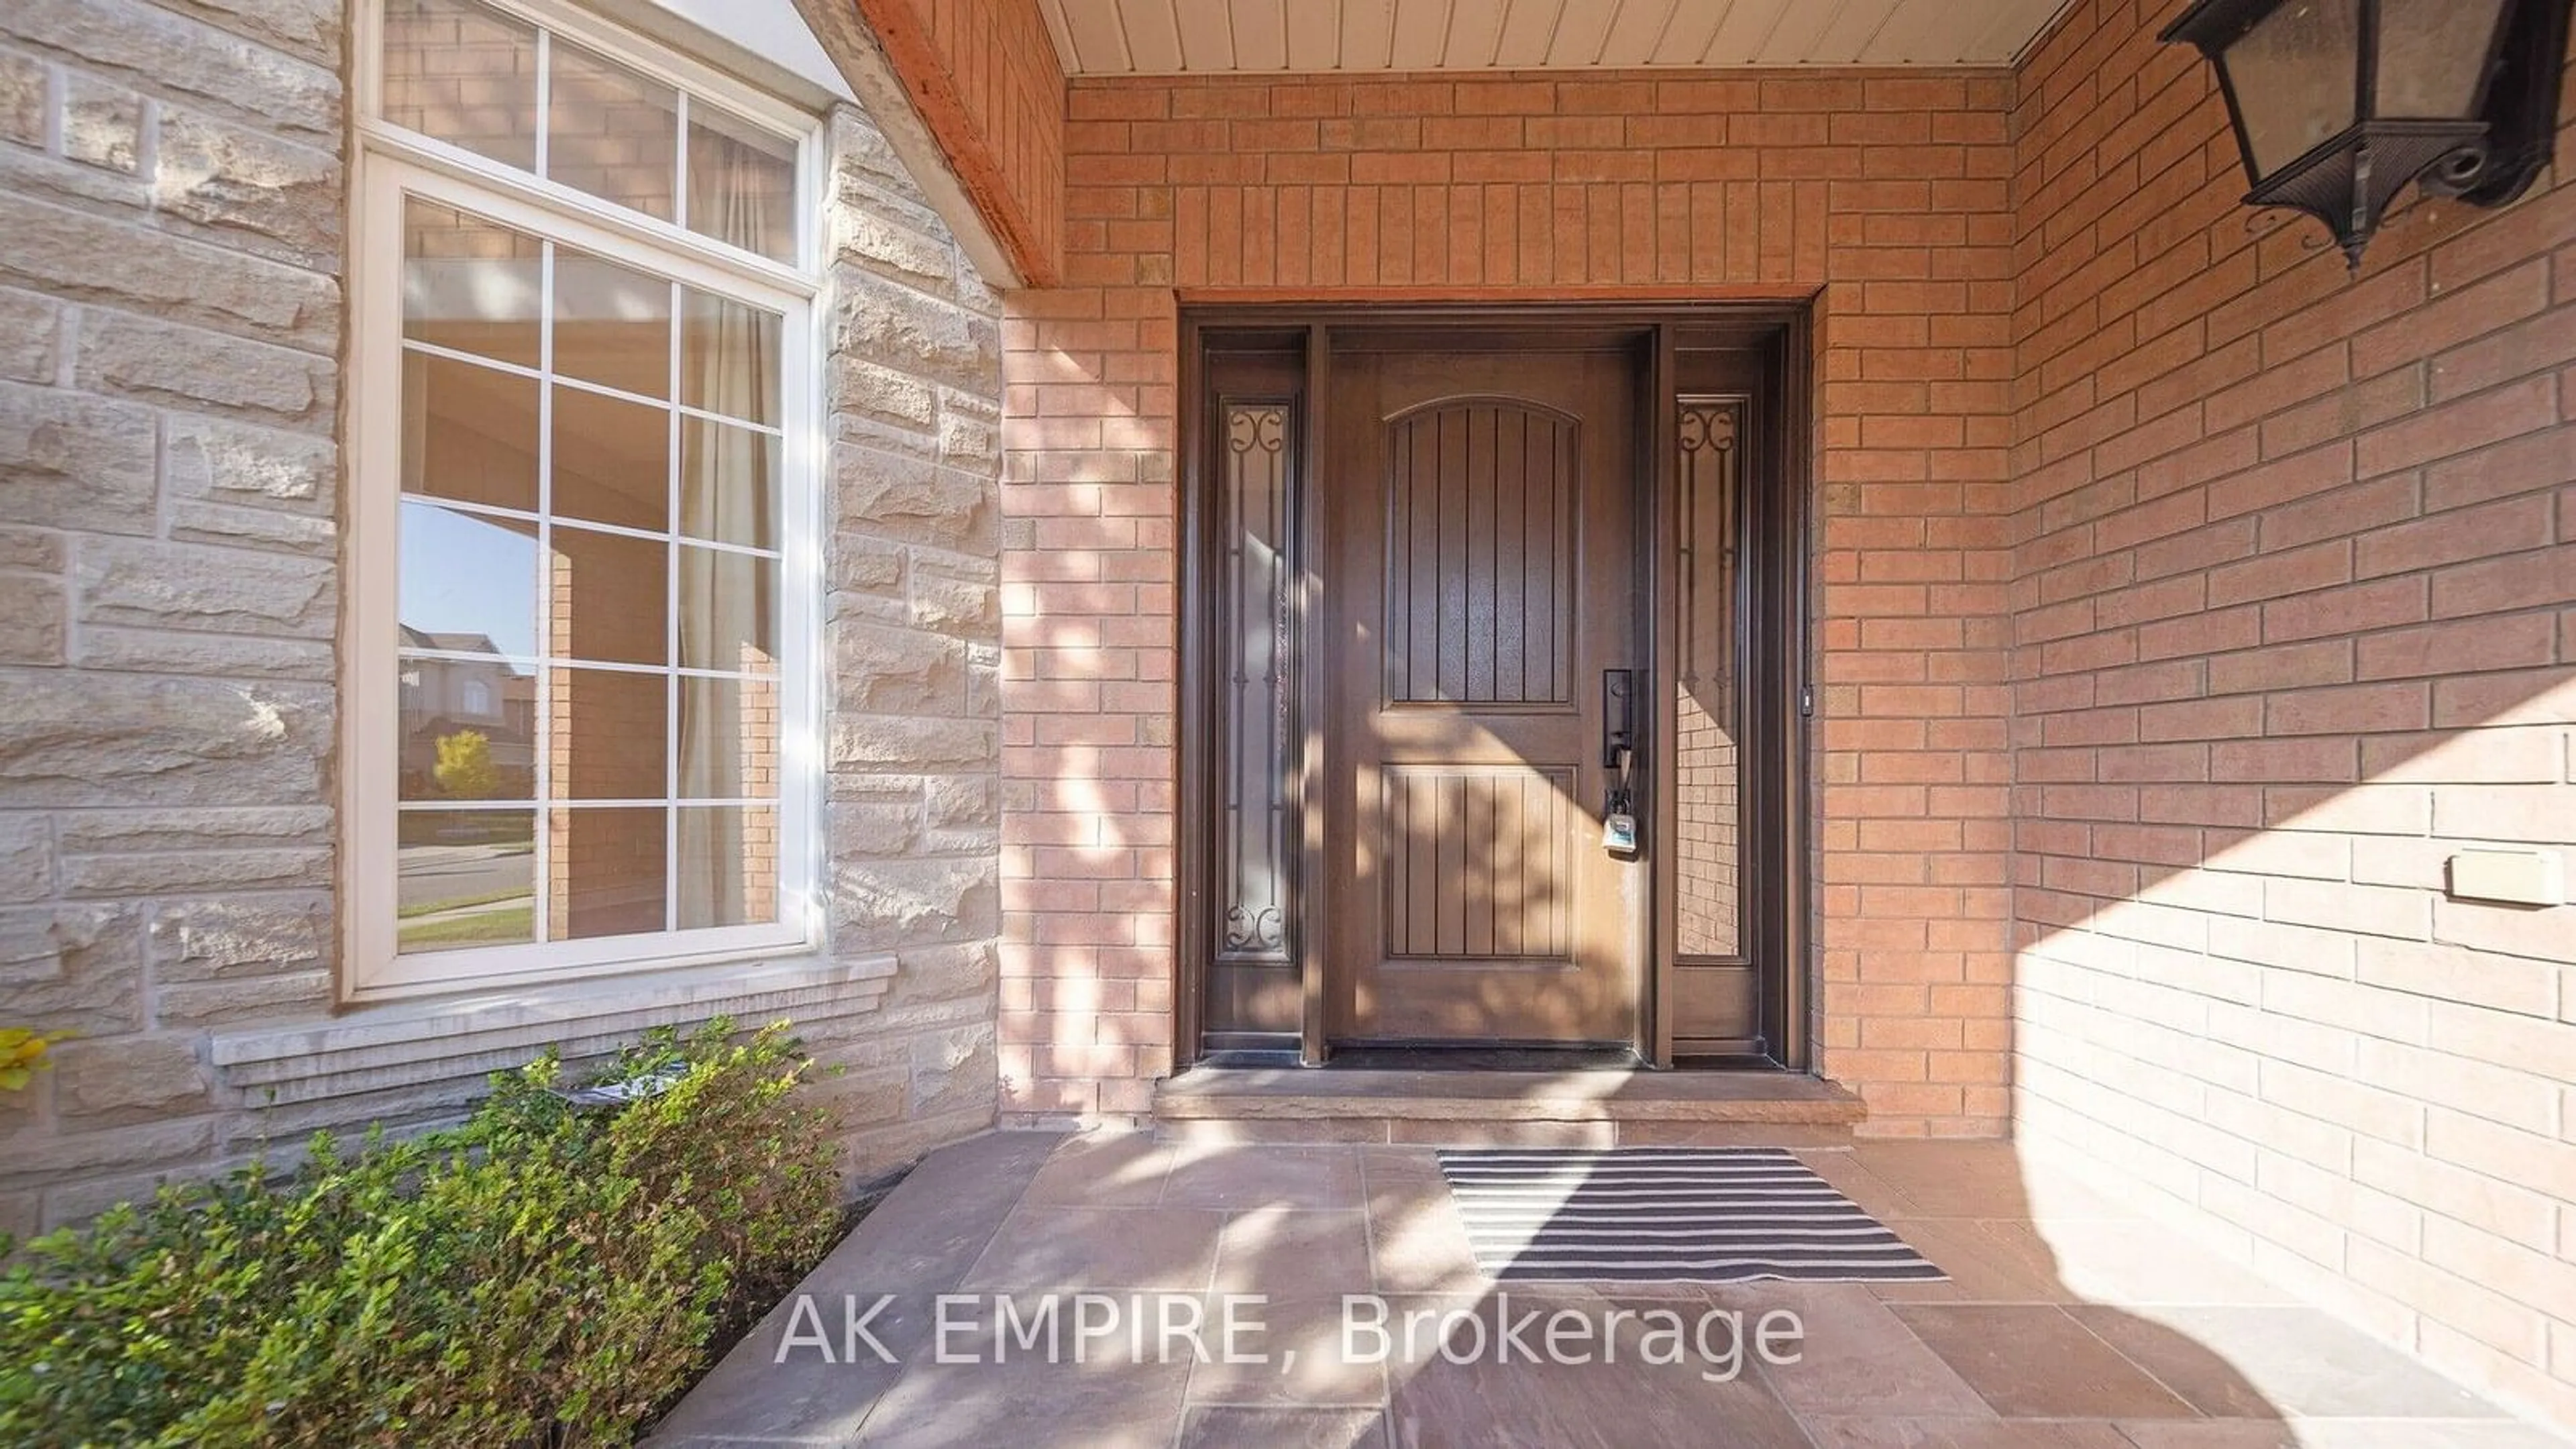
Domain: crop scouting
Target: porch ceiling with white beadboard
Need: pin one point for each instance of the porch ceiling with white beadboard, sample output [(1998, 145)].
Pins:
[(1175, 37)]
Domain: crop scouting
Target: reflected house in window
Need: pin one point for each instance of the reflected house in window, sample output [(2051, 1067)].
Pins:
[(443, 697), (594, 429)]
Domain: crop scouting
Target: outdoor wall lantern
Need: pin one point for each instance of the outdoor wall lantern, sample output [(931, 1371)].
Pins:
[(2339, 103)]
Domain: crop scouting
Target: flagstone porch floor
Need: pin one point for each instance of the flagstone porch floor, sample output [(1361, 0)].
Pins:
[(2069, 1325)]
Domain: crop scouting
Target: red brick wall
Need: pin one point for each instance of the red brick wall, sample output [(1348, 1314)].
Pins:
[(2295, 597), (1886, 193), (985, 77)]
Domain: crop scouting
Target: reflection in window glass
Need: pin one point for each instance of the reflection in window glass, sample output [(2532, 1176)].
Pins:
[(465, 878), (592, 474), (611, 597), (742, 183), (468, 582), (468, 729), (612, 324), (1708, 731), (608, 873), (465, 75), (471, 285), (612, 460), (606, 739), (469, 75), (469, 433), (611, 132)]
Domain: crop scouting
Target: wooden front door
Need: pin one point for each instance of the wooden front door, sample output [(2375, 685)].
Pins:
[(1479, 544)]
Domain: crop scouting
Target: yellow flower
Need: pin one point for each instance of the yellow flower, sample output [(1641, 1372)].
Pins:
[(22, 1055)]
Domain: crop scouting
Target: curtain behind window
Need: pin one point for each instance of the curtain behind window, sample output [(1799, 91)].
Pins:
[(729, 733)]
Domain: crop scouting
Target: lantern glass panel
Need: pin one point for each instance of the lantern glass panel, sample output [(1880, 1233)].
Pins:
[(2295, 74), (2433, 56)]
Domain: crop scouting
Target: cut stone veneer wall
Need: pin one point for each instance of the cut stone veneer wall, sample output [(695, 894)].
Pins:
[(2296, 615), (172, 204)]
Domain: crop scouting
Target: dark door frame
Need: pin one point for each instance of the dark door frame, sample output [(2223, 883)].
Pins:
[(1287, 349)]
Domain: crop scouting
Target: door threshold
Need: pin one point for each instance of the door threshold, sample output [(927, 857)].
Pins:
[(1590, 1107), (1423, 1057), (1474, 1059)]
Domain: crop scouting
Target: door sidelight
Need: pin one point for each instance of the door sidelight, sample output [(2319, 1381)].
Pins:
[(1619, 760)]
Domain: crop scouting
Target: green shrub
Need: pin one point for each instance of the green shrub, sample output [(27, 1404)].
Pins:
[(540, 1275)]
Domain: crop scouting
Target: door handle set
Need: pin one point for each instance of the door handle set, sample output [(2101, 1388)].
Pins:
[(1618, 718), (1619, 760)]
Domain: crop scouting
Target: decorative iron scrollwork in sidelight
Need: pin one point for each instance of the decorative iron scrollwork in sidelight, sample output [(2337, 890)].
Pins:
[(1707, 753), (1257, 705)]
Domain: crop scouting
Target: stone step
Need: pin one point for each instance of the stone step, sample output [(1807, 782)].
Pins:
[(1608, 1108)]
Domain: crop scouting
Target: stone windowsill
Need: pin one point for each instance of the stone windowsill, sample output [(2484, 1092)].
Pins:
[(471, 1022)]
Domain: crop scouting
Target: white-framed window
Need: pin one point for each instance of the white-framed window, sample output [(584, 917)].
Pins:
[(584, 478)]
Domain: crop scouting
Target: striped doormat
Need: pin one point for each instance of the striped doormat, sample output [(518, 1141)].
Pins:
[(1668, 1214)]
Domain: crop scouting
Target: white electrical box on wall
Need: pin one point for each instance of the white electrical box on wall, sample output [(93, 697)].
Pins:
[(2509, 877)]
